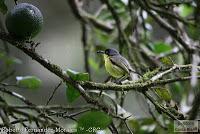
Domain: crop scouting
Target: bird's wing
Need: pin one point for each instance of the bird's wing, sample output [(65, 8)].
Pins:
[(121, 62)]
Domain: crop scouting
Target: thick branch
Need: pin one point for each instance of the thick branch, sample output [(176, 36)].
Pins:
[(132, 86), (86, 17)]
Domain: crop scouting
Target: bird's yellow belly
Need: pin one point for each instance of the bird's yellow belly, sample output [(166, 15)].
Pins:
[(113, 70)]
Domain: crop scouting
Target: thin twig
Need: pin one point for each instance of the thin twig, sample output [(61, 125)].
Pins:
[(154, 117), (127, 126), (5, 119), (114, 129), (54, 91), (176, 3), (80, 112), (172, 69), (6, 75), (85, 47), (21, 120), (157, 105), (195, 107), (17, 119), (16, 95), (88, 18)]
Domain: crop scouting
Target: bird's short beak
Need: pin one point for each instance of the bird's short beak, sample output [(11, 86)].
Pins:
[(100, 52)]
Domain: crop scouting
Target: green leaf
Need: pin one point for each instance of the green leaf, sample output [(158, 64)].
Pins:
[(163, 93), (185, 10), (193, 31), (101, 37), (71, 92), (12, 60), (148, 125), (93, 64), (93, 121), (78, 76), (167, 61), (3, 7), (177, 90), (2, 55), (8, 60), (134, 124), (160, 47), (30, 82), (142, 126)]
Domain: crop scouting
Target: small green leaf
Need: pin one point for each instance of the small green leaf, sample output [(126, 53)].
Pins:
[(93, 64), (12, 60), (163, 93), (2, 55), (78, 76), (30, 82), (93, 121), (177, 89), (101, 37), (142, 126), (193, 31), (147, 121), (3, 7), (185, 10), (167, 61), (8, 60), (160, 47), (71, 92), (134, 124)]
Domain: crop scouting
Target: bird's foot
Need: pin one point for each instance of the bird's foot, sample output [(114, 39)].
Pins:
[(118, 81)]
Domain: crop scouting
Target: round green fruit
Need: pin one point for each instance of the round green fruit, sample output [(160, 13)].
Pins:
[(24, 21)]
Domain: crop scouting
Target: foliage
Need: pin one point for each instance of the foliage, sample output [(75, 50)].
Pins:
[(30, 82), (71, 92), (93, 121), (159, 38)]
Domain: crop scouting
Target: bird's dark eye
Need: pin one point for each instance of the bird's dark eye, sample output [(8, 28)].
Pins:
[(107, 52)]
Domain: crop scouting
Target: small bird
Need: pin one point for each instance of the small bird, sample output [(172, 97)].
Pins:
[(118, 66)]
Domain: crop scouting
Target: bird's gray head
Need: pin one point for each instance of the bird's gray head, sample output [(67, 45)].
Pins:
[(109, 52)]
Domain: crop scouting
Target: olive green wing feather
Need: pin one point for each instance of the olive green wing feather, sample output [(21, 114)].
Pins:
[(121, 62)]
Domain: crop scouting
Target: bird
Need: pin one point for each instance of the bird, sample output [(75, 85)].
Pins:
[(118, 66)]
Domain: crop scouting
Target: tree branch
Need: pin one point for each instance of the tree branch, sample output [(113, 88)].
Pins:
[(132, 86), (88, 18)]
